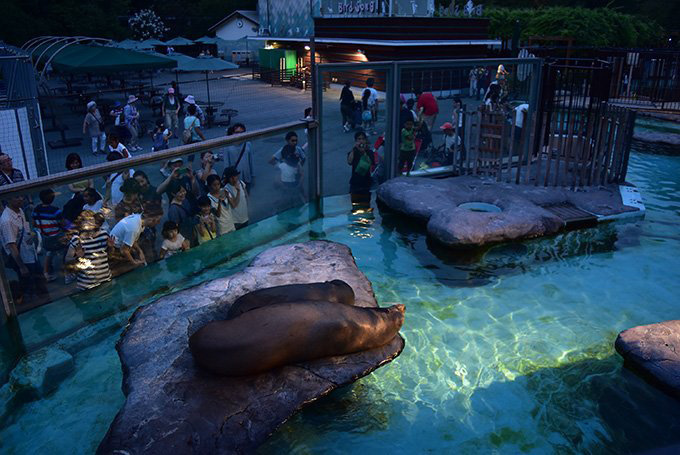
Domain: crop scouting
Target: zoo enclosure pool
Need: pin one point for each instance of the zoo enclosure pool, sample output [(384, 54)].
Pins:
[(508, 350)]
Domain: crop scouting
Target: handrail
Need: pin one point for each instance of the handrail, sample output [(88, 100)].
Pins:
[(65, 177)]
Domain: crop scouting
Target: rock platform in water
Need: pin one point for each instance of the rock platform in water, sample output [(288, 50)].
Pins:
[(654, 351), (173, 407), (522, 212)]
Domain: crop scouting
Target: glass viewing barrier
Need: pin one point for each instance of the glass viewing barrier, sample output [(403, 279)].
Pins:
[(95, 241)]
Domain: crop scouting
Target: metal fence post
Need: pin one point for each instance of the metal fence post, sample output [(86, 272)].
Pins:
[(316, 139)]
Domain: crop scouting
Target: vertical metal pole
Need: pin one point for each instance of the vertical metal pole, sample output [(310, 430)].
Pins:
[(392, 145), (316, 157)]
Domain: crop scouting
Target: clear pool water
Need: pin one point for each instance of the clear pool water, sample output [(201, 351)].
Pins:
[(509, 351)]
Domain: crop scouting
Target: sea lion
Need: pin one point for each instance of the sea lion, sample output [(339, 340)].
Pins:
[(286, 333), (336, 291)]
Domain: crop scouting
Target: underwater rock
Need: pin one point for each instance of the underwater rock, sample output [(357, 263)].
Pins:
[(522, 216), (172, 406), (654, 351), (40, 372)]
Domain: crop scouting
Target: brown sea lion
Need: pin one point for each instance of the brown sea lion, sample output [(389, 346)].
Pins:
[(336, 291), (287, 333)]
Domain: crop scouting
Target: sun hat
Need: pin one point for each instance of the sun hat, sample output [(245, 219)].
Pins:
[(446, 126), (176, 160), (171, 90), (90, 105), (190, 99), (132, 99)]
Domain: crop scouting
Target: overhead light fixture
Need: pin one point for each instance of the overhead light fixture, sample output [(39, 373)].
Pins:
[(307, 48)]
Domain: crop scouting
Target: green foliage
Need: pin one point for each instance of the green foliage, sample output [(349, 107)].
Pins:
[(588, 27)]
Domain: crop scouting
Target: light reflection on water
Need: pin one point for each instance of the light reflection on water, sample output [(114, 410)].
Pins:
[(511, 349)]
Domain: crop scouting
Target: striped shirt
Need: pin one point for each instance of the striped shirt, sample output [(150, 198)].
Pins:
[(47, 219), (93, 267)]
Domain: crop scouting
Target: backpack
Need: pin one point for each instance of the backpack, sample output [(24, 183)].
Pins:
[(187, 133)]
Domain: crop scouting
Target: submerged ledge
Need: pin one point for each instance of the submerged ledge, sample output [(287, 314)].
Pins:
[(173, 407), (526, 211)]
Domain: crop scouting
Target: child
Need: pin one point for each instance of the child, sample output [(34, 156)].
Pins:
[(407, 147), (88, 252), (206, 224), (173, 240), (48, 220), (93, 200), (116, 146), (160, 136)]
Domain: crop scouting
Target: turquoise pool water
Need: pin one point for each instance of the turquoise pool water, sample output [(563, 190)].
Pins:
[(508, 351)]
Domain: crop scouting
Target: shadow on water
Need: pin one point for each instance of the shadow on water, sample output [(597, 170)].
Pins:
[(472, 267), (589, 405), (592, 405)]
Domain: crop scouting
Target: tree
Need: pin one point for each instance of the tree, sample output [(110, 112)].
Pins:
[(146, 24)]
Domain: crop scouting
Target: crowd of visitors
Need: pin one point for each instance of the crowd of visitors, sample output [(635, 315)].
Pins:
[(99, 231)]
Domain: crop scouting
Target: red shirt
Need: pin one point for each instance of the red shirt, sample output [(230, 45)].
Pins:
[(429, 102)]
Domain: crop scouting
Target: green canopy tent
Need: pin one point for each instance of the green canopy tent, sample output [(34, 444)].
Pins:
[(206, 64), (179, 41), (105, 60), (152, 42), (128, 44), (208, 40)]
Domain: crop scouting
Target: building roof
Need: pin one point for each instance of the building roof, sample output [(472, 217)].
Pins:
[(395, 43), (250, 15)]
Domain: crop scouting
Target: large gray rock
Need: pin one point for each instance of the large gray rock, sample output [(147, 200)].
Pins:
[(436, 202), (657, 137), (654, 351), (172, 407)]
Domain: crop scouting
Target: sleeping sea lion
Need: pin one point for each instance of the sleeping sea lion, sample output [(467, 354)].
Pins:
[(336, 291), (286, 333)]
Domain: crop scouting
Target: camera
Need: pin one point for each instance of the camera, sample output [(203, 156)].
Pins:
[(218, 157)]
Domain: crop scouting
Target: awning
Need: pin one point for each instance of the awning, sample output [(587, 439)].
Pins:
[(80, 58), (205, 64)]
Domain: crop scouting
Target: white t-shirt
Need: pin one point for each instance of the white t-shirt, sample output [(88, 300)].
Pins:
[(240, 212), (288, 173), (14, 229), (171, 247), (225, 222), (122, 150), (450, 141), (127, 230), (374, 96), (96, 207), (116, 193), (519, 117)]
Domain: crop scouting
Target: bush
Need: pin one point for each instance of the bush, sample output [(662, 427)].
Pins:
[(588, 27)]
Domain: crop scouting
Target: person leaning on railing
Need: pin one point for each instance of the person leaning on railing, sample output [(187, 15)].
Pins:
[(126, 252), (7, 172)]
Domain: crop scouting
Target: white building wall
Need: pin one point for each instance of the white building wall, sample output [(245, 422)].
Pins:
[(230, 31)]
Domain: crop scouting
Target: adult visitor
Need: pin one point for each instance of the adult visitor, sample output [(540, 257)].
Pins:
[(238, 197), (427, 108), (93, 126), (170, 110), (346, 105), (207, 168), (19, 245), (298, 153), (147, 192), (127, 254), (221, 205), (373, 99), (132, 122), (179, 176), (8, 174), (473, 78), (115, 181), (191, 101), (241, 155), (74, 206), (179, 212), (360, 158), (192, 126)]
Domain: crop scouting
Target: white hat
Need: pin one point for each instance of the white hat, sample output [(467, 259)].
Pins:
[(190, 99), (90, 105), (132, 99)]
